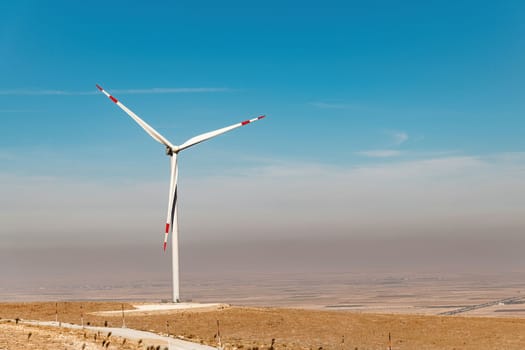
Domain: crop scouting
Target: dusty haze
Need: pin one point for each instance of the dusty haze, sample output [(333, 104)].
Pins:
[(264, 267), (432, 213)]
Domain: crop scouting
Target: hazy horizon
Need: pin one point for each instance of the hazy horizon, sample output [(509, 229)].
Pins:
[(251, 262), (393, 138)]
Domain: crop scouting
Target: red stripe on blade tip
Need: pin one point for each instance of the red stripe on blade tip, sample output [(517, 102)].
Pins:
[(167, 228), (99, 87), (165, 246), (113, 99), (245, 122), (260, 117)]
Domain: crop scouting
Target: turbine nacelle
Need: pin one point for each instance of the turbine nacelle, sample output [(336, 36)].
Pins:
[(170, 151)]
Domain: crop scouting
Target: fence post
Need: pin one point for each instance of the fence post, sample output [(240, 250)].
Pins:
[(123, 317), (219, 335)]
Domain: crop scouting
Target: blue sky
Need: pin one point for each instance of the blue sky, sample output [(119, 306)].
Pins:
[(341, 76), (383, 110)]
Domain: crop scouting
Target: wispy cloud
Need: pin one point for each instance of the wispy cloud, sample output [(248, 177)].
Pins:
[(5, 155), (380, 153), (398, 137), (30, 92), (337, 105), (16, 111), (328, 105), (171, 90), (37, 92)]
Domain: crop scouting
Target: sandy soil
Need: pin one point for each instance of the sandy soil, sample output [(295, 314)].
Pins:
[(248, 328), (18, 336), (145, 309)]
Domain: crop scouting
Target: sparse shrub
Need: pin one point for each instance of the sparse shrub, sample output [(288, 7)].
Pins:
[(29, 335)]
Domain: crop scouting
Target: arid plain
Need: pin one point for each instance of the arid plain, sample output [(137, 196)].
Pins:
[(298, 311), (245, 328)]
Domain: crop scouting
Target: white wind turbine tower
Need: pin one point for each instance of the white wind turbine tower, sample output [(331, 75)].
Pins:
[(172, 151)]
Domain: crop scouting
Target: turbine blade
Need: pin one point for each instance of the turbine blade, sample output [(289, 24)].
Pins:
[(172, 200), (208, 135), (152, 132)]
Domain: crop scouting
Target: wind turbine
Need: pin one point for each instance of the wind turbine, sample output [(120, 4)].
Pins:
[(172, 151)]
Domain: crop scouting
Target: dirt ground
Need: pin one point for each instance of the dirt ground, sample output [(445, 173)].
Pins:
[(20, 337), (250, 328)]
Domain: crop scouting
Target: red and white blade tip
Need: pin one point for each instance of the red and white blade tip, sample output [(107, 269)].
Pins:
[(252, 120), (107, 94), (166, 235)]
